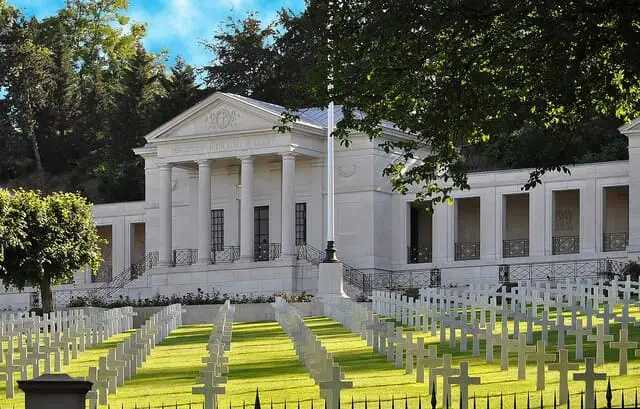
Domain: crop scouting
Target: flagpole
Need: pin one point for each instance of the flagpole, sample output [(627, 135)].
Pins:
[(330, 256)]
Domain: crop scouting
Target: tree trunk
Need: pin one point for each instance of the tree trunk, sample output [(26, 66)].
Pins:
[(36, 152), (46, 294)]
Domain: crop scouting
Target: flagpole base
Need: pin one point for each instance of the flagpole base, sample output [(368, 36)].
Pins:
[(330, 253)]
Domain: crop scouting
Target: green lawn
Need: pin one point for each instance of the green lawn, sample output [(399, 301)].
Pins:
[(169, 372), (263, 356)]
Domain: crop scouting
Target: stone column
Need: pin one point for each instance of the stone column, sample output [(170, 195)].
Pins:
[(246, 208), (288, 204), (632, 131), (443, 236), (488, 223), (204, 211), (165, 258), (537, 222), (587, 210)]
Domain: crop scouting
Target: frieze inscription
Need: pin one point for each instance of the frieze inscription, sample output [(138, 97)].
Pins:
[(223, 146)]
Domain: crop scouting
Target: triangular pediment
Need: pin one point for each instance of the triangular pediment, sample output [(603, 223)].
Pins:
[(218, 114)]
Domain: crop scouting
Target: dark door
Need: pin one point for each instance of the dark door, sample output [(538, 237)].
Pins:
[(261, 232)]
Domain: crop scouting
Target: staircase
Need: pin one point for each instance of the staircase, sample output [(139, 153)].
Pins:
[(108, 289)]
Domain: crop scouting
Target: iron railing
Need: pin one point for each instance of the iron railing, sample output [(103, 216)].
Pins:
[(565, 245), (417, 255), (104, 274), (515, 248), (266, 251), (615, 241), (595, 268), (185, 256), (310, 253), (120, 281), (226, 254), (467, 251)]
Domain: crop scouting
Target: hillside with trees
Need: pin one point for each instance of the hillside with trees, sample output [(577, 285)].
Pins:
[(78, 90)]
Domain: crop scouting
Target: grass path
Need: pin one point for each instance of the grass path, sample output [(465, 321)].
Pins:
[(77, 368), (262, 355), (169, 372)]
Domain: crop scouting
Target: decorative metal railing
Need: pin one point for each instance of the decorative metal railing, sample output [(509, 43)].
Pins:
[(565, 245), (185, 256), (515, 248), (603, 268), (226, 254), (310, 253), (104, 274), (615, 241), (467, 251), (417, 255), (266, 251), (367, 281)]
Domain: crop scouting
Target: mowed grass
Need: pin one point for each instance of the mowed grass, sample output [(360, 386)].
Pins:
[(262, 356), (76, 368), (169, 373)]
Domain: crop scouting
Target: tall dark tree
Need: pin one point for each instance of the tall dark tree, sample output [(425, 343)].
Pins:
[(121, 173), (244, 59), (180, 91), (28, 80)]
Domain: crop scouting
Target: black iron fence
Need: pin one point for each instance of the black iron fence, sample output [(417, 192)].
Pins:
[(596, 268), (417, 255), (515, 248), (615, 241), (266, 251), (604, 399), (310, 253), (104, 274), (565, 244), (226, 254), (185, 257), (467, 251)]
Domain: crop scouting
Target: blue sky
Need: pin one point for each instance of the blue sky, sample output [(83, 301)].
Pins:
[(178, 25)]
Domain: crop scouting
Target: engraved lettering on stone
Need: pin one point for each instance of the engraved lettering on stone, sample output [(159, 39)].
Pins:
[(223, 118)]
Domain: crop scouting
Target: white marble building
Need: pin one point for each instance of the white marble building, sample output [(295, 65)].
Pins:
[(232, 204)]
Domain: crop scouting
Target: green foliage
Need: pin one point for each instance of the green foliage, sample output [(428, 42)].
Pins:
[(199, 298), (469, 72), (50, 237)]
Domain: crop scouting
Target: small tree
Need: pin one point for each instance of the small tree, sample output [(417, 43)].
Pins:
[(57, 237)]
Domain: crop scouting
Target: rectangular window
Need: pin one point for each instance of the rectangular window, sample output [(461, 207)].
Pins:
[(217, 229), (301, 224)]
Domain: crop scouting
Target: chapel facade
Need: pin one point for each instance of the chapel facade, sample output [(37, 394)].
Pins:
[(234, 205)]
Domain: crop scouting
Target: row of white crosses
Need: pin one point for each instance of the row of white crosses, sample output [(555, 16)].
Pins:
[(123, 360), (448, 309), (219, 342), (402, 349), (54, 339), (319, 363), (575, 296)]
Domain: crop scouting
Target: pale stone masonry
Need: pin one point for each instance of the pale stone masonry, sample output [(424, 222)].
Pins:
[(229, 201)]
